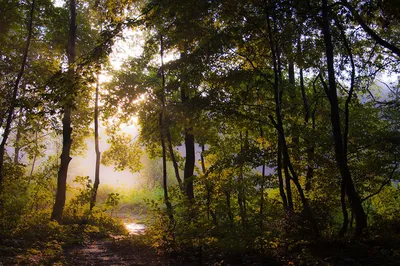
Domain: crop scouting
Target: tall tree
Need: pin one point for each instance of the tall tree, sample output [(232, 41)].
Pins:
[(97, 146), (340, 155), (66, 121), (11, 108)]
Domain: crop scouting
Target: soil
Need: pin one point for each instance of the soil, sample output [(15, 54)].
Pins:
[(102, 252)]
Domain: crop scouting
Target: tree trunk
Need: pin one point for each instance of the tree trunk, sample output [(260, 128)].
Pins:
[(67, 129), (241, 190), (173, 158), (345, 224), (164, 166), (287, 179), (10, 114), (188, 171), (203, 165), (58, 207), (278, 97), (331, 91), (280, 130), (17, 145), (162, 137), (280, 177), (189, 163), (228, 205), (261, 213), (310, 146), (34, 158), (96, 147)]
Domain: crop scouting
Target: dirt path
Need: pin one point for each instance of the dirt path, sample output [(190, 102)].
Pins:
[(101, 252)]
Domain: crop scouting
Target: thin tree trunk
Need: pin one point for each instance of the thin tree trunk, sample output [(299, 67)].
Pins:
[(228, 205), (66, 121), (188, 170), (280, 177), (261, 213), (331, 91), (173, 158), (310, 146), (34, 158), (189, 163), (164, 167), (241, 192), (279, 127), (278, 106), (307, 114), (17, 146), (162, 137), (203, 165), (96, 147), (346, 126), (345, 223), (277, 97), (10, 114), (209, 188), (287, 180)]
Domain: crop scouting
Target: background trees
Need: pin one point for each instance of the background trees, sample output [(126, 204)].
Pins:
[(269, 114)]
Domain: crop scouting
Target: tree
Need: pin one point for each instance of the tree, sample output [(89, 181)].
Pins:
[(67, 129), (340, 151), (15, 89)]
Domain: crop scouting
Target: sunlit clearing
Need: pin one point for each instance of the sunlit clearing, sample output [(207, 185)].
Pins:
[(135, 229)]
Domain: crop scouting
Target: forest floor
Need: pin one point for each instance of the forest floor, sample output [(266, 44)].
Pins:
[(134, 249), (119, 251), (101, 252)]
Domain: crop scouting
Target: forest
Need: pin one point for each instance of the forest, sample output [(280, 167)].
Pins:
[(267, 132)]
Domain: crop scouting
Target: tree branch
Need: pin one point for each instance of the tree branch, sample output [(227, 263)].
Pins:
[(369, 31), (383, 184)]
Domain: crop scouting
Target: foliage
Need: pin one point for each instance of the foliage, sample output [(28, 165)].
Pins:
[(265, 128), (124, 153)]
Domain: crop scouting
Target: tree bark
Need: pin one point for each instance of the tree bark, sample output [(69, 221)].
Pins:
[(96, 147), (278, 114), (241, 191), (331, 91), (310, 146), (287, 179), (66, 121), (345, 223), (281, 134), (17, 145), (189, 163), (228, 205), (173, 158), (188, 170), (10, 114), (34, 158), (162, 137), (280, 177), (261, 213), (164, 167)]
